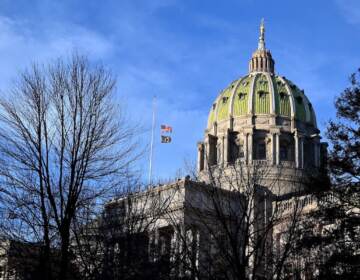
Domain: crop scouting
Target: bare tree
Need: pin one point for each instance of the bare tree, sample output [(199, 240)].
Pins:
[(122, 242), (232, 219), (64, 145)]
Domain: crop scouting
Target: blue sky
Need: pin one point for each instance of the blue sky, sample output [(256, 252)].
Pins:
[(185, 52)]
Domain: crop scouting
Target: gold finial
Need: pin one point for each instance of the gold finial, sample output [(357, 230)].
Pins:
[(261, 45)]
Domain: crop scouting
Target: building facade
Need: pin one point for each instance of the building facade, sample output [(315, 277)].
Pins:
[(231, 221)]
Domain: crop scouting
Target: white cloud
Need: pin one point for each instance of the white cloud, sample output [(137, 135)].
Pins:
[(20, 45)]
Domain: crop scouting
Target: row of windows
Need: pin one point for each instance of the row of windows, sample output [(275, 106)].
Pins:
[(236, 150), (262, 94)]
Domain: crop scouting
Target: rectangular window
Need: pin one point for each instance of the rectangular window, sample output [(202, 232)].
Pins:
[(283, 153), (262, 151)]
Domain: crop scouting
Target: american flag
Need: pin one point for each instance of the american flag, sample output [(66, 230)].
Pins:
[(166, 128)]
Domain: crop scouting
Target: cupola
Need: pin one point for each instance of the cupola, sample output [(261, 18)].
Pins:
[(261, 60)]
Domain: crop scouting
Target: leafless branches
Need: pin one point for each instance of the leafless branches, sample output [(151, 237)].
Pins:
[(64, 145), (235, 215)]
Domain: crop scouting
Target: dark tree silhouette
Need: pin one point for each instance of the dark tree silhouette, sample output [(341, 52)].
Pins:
[(332, 233), (344, 134), (64, 145)]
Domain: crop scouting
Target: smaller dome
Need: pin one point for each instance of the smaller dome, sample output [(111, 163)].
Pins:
[(262, 93)]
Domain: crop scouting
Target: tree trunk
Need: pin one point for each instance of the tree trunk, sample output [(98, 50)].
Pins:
[(64, 261)]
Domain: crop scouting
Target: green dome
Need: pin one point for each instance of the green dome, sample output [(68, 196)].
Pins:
[(262, 93)]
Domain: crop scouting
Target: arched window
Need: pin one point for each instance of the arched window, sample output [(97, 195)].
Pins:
[(262, 94), (241, 95)]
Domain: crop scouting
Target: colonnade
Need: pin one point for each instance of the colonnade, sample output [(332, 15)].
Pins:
[(272, 140)]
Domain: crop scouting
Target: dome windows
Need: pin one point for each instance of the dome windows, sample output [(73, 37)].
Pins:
[(262, 94), (283, 95), (263, 82), (242, 95)]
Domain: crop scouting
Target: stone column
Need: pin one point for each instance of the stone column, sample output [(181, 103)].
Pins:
[(299, 150), (296, 138), (273, 148), (197, 248), (277, 136), (302, 151), (226, 148), (181, 249), (245, 136), (173, 246), (250, 147), (201, 158), (222, 150), (153, 249), (206, 153)]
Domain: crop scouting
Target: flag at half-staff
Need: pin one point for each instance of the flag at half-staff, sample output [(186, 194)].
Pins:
[(165, 139)]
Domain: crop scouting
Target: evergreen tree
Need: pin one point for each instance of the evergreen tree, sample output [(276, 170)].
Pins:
[(337, 235), (344, 134)]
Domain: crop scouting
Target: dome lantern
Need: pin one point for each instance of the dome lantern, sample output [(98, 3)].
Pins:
[(261, 60)]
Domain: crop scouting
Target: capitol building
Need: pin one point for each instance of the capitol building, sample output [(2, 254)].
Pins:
[(236, 216)]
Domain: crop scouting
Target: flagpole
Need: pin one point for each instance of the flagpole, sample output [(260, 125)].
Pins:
[(152, 139)]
